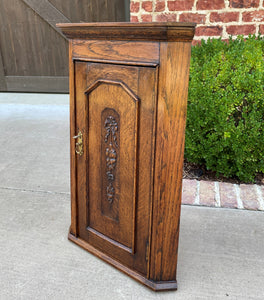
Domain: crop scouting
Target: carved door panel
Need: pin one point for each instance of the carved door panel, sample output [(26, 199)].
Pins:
[(116, 116)]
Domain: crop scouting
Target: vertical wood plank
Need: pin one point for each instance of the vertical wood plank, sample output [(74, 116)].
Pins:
[(31, 45), (94, 10), (2, 75), (73, 228), (2, 70), (47, 12), (172, 102)]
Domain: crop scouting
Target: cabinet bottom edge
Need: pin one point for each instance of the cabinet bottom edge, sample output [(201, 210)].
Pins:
[(154, 285)]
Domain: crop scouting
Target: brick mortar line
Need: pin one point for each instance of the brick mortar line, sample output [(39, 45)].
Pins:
[(194, 8), (197, 195), (195, 5), (240, 17), (217, 194), (221, 10), (195, 1), (180, 12), (239, 201), (206, 37), (191, 11), (230, 23)]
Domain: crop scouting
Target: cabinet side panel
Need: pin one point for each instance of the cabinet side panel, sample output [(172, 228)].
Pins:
[(169, 154), (73, 228)]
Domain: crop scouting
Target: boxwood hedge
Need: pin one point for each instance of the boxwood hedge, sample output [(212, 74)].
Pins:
[(225, 127)]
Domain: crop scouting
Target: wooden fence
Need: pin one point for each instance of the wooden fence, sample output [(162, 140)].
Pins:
[(33, 52)]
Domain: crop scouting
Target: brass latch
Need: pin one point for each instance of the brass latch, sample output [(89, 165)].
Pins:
[(79, 143)]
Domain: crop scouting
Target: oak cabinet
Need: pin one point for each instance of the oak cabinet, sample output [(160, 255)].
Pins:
[(128, 91)]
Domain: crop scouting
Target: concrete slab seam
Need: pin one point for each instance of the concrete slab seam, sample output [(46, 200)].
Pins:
[(33, 191)]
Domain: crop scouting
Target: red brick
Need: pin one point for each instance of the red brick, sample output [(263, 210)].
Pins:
[(146, 18), (243, 3), (240, 29), (207, 194), (261, 29), (196, 42), (164, 17), (189, 188), (253, 16), (227, 195), (160, 6), (134, 19), (208, 31), (189, 17), (249, 196), (147, 6), (224, 17), (134, 7), (180, 5), (210, 4)]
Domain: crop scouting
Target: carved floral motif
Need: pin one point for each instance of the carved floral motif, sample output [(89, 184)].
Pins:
[(111, 127)]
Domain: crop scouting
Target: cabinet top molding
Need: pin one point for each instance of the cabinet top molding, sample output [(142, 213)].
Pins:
[(126, 31)]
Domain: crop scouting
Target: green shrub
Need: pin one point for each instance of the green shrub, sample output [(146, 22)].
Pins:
[(226, 107)]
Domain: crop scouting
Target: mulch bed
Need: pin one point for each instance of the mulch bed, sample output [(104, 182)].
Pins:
[(194, 171)]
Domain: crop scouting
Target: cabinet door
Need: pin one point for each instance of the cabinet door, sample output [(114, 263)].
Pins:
[(115, 111)]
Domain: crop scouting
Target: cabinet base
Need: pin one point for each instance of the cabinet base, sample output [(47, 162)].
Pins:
[(156, 286)]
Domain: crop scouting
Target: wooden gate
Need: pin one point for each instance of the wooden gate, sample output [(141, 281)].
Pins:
[(33, 52)]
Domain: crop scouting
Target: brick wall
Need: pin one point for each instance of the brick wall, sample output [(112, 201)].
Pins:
[(214, 18)]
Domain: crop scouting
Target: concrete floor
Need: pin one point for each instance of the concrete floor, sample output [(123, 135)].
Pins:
[(221, 254)]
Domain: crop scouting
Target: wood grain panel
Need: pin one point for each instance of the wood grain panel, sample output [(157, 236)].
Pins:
[(2, 75), (114, 219), (73, 131), (136, 174), (117, 51), (170, 137), (47, 12), (126, 74), (126, 31), (93, 11), (32, 46)]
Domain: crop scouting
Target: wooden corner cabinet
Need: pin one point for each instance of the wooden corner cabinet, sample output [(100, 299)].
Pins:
[(128, 97)]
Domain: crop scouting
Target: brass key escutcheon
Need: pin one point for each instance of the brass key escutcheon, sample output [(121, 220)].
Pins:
[(79, 143)]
